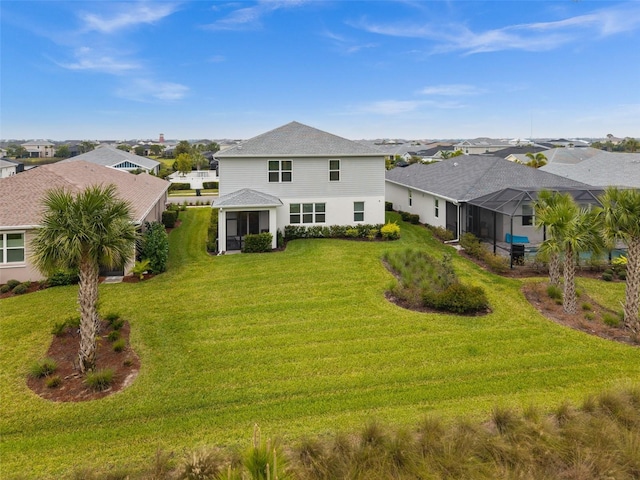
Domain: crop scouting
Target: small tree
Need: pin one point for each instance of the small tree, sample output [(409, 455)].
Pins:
[(184, 163), (124, 147), (155, 246), (63, 151), (182, 147), (536, 160)]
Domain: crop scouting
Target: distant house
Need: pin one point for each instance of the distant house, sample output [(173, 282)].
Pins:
[(9, 168), (482, 145), (110, 156), (21, 206), (487, 196), (40, 148), (297, 175)]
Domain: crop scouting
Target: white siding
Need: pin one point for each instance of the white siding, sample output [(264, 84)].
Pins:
[(422, 204), (338, 211)]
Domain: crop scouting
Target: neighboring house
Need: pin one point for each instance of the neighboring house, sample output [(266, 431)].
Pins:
[(9, 168), (597, 167), (21, 206), (487, 196), (297, 175), (481, 145), (110, 156), (40, 149)]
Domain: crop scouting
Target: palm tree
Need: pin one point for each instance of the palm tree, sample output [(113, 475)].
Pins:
[(621, 221), (545, 207), (84, 231), (574, 230), (536, 161)]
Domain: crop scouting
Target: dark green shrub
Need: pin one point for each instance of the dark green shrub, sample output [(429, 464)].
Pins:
[(5, 289), (179, 186), (554, 292), (12, 284), (169, 218), (586, 307), (43, 368), (622, 274), (119, 345), (607, 277), (257, 243), (611, 319), (212, 231), (111, 317), (117, 324), (62, 278), (20, 289), (113, 335), (280, 238), (458, 298), (59, 328), (99, 380), (352, 233), (441, 233), (388, 206), (210, 185), (155, 246), (338, 231)]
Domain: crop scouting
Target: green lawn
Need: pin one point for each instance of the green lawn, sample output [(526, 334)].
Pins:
[(299, 342)]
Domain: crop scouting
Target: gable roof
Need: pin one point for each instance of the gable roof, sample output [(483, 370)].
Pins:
[(110, 156), (297, 140), (470, 176), (21, 195), (246, 197)]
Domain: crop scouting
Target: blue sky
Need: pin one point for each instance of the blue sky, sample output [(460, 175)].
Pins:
[(359, 69)]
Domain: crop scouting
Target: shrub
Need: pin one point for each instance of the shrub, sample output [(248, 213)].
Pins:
[(21, 288), (212, 231), (472, 246), (179, 186), (117, 324), (5, 289), (338, 231), (119, 345), (257, 243), (458, 298), (441, 233), (611, 319), (113, 335), (99, 380), (589, 316), (58, 329), (111, 317), (390, 231), (53, 381), (388, 206), (202, 465), (210, 185), (62, 278), (12, 284), (607, 276), (554, 292), (140, 268), (169, 218), (586, 307), (43, 368), (352, 233), (372, 233), (622, 274), (155, 246), (496, 263)]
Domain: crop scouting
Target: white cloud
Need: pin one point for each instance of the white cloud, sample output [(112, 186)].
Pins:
[(346, 45), (390, 107), (451, 90), (249, 18), (89, 59), (128, 16), (146, 90)]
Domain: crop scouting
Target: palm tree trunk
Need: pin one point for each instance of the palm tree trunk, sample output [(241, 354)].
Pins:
[(88, 301), (569, 303), (554, 269), (633, 286)]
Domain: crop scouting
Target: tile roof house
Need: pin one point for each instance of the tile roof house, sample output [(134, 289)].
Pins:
[(9, 168), (485, 195), (21, 205), (296, 174), (110, 156), (40, 148)]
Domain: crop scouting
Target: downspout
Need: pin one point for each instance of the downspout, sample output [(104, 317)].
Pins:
[(511, 243), (495, 231)]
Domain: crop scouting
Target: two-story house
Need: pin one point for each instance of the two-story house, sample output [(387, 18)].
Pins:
[(296, 175)]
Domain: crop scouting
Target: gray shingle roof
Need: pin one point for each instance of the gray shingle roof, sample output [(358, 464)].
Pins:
[(470, 176), (297, 140), (21, 195), (604, 169), (110, 156), (246, 198)]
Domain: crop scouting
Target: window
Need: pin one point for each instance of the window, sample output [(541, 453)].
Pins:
[(334, 170), (527, 215), (307, 213), (358, 211), (280, 170), (436, 210), (11, 247), (410, 198)]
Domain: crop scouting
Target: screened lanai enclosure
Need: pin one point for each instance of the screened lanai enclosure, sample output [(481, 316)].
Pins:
[(505, 219)]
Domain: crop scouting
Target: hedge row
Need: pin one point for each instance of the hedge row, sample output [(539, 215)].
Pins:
[(212, 231), (389, 231), (257, 243)]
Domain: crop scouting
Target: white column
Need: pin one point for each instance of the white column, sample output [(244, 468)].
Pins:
[(273, 227), (222, 230)]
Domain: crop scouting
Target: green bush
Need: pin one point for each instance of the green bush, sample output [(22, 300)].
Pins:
[(155, 246), (140, 268), (390, 231), (53, 382), (99, 380), (257, 243), (5, 289), (210, 185), (43, 368), (212, 231), (169, 218), (21, 288), (388, 206), (607, 276), (59, 328), (611, 319), (586, 307), (554, 292), (622, 274), (62, 278), (113, 335), (589, 316), (12, 284), (472, 246), (111, 317), (457, 298), (352, 233), (441, 233), (119, 345), (496, 263), (179, 186), (117, 324)]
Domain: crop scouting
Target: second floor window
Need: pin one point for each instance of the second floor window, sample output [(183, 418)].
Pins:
[(334, 170), (280, 170)]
